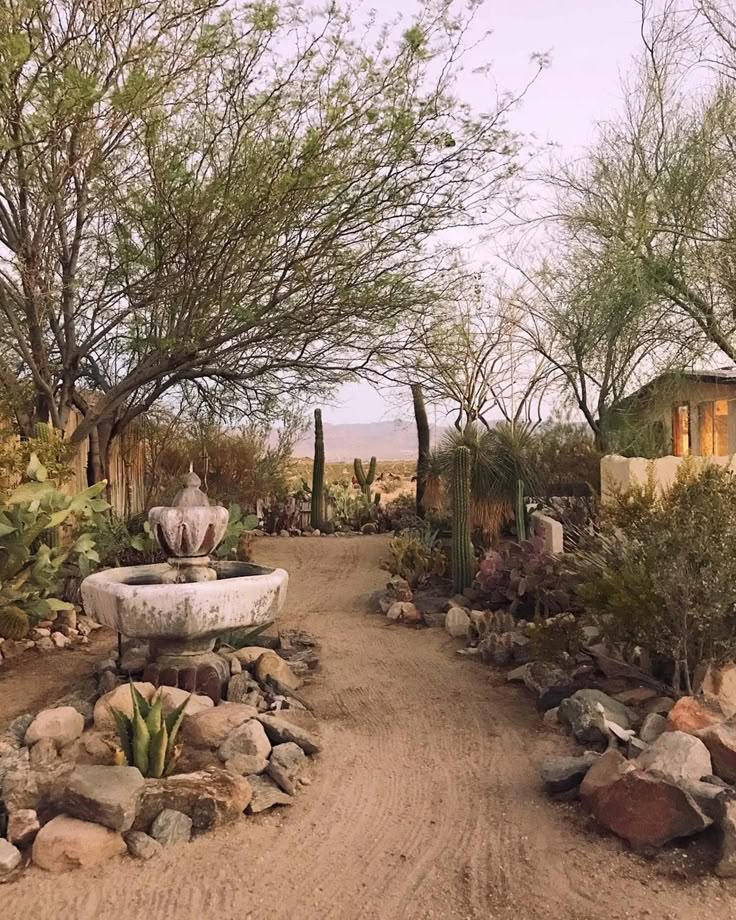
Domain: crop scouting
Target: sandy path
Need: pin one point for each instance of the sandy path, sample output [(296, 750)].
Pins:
[(425, 803)]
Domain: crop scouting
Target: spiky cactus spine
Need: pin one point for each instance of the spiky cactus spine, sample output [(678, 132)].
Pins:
[(318, 471), (420, 416), (365, 480), (520, 511), (462, 546)]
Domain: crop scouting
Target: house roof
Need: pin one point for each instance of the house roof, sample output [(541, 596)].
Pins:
[(726, 375)]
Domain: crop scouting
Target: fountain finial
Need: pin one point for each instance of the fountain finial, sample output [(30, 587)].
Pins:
[(190, 495)]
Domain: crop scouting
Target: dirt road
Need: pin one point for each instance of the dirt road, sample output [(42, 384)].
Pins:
[(425, 803)]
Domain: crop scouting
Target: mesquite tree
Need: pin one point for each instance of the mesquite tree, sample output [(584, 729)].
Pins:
[(234, 203)]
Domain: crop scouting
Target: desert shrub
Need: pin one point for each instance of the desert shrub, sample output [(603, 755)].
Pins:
[(417, 557), (661, 571), (401, 514), (50, 449), (119, 542), (566, 461), (556, 639), (32, 570), (236, 542), (237, 467), (526, 579)]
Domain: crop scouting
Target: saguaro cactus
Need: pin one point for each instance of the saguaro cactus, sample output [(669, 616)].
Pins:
[(462, 546), (318, 471), (365, 480), (420, 416)]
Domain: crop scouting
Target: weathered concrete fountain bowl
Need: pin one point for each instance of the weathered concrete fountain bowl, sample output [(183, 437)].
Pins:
[(135, 600)]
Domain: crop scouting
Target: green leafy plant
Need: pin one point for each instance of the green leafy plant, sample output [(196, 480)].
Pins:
[(238, 524), (30, 569), (148, 738), (661, 571), (555, 639), (118, 543)]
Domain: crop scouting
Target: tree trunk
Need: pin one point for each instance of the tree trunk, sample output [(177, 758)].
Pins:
[(420, 415)]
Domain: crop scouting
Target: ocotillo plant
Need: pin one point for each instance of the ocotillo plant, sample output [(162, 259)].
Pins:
[(365, 480), (462, 545), (420, 416), (318, 471)]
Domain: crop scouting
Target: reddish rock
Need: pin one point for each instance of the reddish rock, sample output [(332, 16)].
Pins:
[(721, 742), (66, 843), (647, 811), (605, 771), (691, 716)]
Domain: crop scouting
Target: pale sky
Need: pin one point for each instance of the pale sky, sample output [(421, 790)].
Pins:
[(592, 42)]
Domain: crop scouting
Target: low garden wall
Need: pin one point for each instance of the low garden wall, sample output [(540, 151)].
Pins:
[(619, 474)]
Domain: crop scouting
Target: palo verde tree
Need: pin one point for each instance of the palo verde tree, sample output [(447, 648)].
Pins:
[(234, 203)]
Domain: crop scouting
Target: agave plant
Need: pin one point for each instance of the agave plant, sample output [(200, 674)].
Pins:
[(148, 738)]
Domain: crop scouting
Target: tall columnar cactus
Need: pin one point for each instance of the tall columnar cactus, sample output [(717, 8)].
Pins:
[(520, 511), (318, 471), (420, 416), (462, 545), (365, 480)]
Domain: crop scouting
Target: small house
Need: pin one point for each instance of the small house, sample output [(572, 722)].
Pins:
[(688, 412)]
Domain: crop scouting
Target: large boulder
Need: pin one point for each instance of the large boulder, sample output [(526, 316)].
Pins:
[(61, 726), (646, 810), (280, 730), (209, 728), (120, 699), (249, 738), (691, 716), (210, 798), (676, 756), (67, 843), (586, 713), (719, 687), (720, 740), (105, 795)]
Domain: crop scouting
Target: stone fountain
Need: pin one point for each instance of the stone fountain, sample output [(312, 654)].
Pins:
[(180, 607)]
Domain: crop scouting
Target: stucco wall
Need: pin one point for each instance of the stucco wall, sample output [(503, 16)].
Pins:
[(619, 474)]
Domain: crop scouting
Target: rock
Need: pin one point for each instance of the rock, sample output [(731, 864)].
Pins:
[(44, 753), (211, 727), (301, 718), (192, 760), (519, 673), (436, 620), (211, 798), (404, 611), (107, 664), (243, 689), (105, 795), (550, 718), (636, 696), (171, 826), (563, 774), (587, 711), (266, 794), (16, 731), (61, 725), (660, 704), (635, 747), (134, 660), (271, 665), (36, 788), (283, 533), (468, 652), (108, 681), (120, 699), (457, 623), (457, 600), (719, 687), (721, 743), (399, 589), (235, 666), (676, 756), (281, 729), (10, 857), (246, 764), (141, 846), (67, 843), (91, 748), (285, 765), (45, 644), (690, 715), (248, 656), (605, 771), (249, 738), (60, 640), (646, 810), (23, 825), (40, 633), (171, 697), (726, 867), (708, 797), (652, 727), (539, 677)]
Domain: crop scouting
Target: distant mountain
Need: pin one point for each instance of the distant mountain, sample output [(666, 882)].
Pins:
[(384, 440)]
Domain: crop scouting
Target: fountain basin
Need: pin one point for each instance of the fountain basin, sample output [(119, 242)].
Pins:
[(136, 601)]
